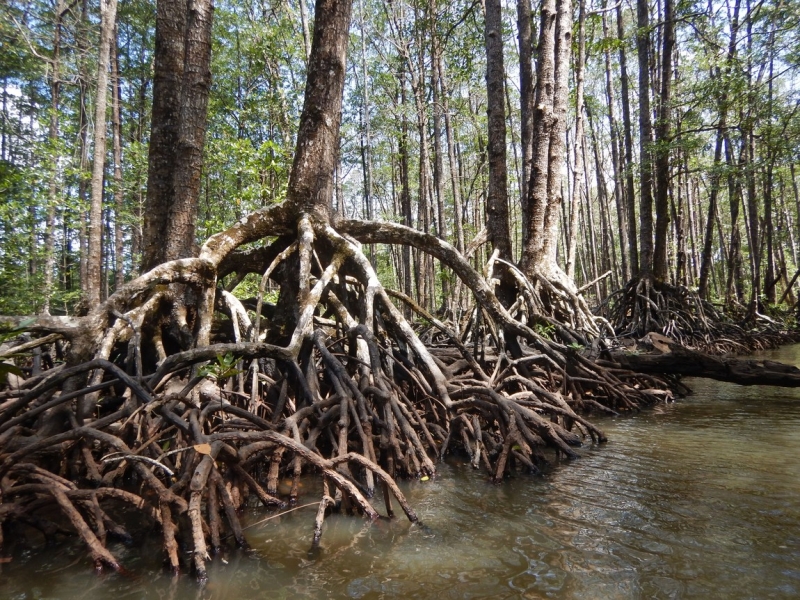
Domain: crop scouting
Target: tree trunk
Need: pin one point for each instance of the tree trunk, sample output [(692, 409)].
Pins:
[(629, 196), (662, 151), (616, 159), (405, 188), (52, 137), (525, 38), (458, 207), (716, 175), (366, 141), (108, 16), (645, 140), (116, 89), (311, 180), (180, 99), (556, 152), (497, 198), (577, 176), (543, 124)]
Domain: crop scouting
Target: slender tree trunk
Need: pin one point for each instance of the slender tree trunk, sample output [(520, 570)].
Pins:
[(497, 200), (733, 201), (108, 15), (603, 199), (555, 187), (662, 151), (577, 177), (438, 154), (645, 140), (366, 138), (83, 146), (769, 242), (542, 127), (716, 168), (304, 25), (753, 221), (788, 223), (705, 268), (616, 159), (769, 276), (458, 208), (796, 192), (629, 196), (525, 38), (405, 186), (679, 217), (52, 136), (116, 86)]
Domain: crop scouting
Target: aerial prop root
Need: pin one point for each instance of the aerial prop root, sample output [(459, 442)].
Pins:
[(359, 399), (647, 305)]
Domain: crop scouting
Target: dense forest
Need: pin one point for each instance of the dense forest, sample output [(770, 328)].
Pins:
[(257, 237), (693, 106)]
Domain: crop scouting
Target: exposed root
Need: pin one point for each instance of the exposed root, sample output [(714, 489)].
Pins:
[(332, 381), (645, 305)]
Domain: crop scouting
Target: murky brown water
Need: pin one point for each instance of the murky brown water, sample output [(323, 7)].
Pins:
[(698, 499)]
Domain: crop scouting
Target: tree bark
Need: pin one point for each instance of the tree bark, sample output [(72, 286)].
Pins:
[(616, 159), (180, 99), (557, 149), (526, 92), (543, 124), (577, 175), (629, 196), (52, 136), (662, 150), (716, 175), (497, 197), (645, 140), (108, 16), (682, 361), (458, 207), (116, 123)]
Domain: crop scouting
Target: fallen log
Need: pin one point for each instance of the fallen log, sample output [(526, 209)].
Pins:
[(673, 359)]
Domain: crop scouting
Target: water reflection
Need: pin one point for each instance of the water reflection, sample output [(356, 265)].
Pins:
[(696, 499)]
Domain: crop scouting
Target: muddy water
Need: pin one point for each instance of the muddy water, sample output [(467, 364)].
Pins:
[(697, 499)]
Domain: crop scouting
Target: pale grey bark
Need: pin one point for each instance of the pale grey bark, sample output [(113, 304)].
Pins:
[(108, 15)]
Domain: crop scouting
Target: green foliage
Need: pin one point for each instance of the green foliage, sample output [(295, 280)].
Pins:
[(222, 369), (546, 330)]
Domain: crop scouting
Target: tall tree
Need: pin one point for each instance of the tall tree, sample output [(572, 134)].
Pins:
[(722, 77), (627, 126), (526, 93), (645, 140), (92, 291), (662, 147), (545, 191), (181, 86), (577, 165), (497, 196), (52, 135)]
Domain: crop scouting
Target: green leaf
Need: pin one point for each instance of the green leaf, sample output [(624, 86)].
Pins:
[(6, 368)]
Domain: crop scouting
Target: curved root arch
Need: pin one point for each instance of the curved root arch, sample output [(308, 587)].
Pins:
[(347, 391)]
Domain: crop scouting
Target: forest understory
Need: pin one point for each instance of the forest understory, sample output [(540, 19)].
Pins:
[(177, 401)]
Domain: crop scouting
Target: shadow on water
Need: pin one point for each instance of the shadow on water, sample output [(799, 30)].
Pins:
[(697, 499)]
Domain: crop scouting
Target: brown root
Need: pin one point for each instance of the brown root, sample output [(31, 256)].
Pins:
[(335, 382)]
